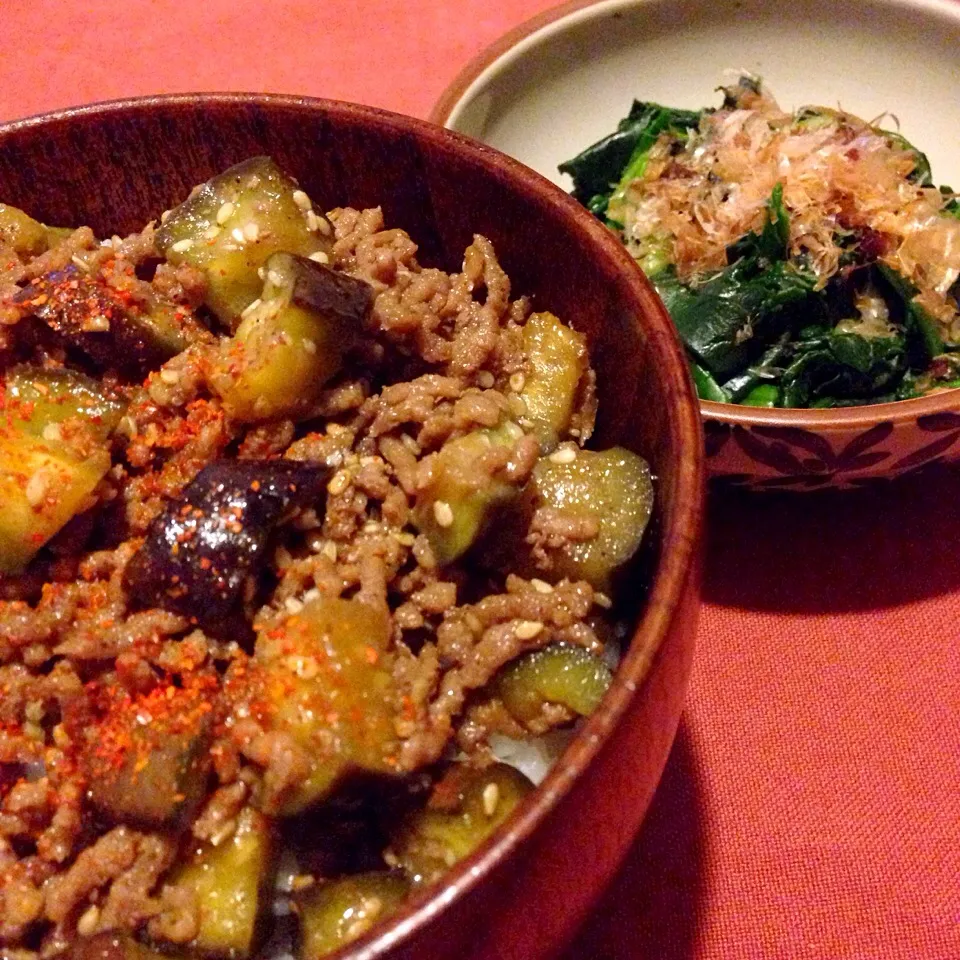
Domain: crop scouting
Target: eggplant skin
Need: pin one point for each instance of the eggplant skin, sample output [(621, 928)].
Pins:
[(199, 551), (88, 315)]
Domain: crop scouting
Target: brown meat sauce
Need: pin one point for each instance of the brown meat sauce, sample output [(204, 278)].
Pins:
[(135, 730)]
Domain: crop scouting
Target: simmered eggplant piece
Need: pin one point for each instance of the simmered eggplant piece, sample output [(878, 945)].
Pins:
[(613, 489), (231, 225), (200, 550), (28, 237), (464, 809), (463, 493), (147, 758), (292, 342), (325, 683), (112, 329), (38, 397), (54, 427), (337, 912), (558, 361), (561, 673), (232, 882)]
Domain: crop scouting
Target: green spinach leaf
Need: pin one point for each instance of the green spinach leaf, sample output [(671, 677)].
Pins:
[(598, 170), (841, 367), (923, 331)]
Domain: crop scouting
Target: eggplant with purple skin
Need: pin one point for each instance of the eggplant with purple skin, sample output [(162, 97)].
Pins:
[(231, 225), (86, 313), (292, 341), (55, 427), (201, 549)]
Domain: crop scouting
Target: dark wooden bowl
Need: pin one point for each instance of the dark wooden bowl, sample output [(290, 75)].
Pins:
[(115, 166)]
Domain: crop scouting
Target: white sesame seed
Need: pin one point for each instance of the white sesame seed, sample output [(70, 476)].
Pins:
[(227, 829), (309, 346), (517, 405), (323, 225), (517, 380), (330, 551), (541, 586), (302, 200), (602, 600), (80, 264), (319, 257), (169, 376), (491, 798), (212, 232), (293, 605), (313, 221), (528, 629), (486, 379), (182, 246), (251, 231), (237, 234), (164, 216), (390, 858), (52, 432), (339, 482), (87, 923), (249, 308), (304, 667), (405, 538), (302, 881), (443, 513), (36, 489), (225, 212), (565, 454), (514, 430), (262, 273), (127, 426)]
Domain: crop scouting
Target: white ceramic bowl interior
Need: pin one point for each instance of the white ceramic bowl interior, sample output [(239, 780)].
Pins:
[(567, 84)]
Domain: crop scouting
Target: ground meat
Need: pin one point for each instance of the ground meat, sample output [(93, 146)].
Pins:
[(79, 647)]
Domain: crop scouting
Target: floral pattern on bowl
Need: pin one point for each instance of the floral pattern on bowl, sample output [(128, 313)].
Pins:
[(813, 449)]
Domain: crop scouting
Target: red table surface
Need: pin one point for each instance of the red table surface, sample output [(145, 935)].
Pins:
[(810, 807)]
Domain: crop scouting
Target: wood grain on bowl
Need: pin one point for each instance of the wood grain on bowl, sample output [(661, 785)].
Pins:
[(115, 165)]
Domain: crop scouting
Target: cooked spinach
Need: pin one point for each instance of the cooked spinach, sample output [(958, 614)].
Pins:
[(762, 331), (728, 321), (843, 366), (598, 170)]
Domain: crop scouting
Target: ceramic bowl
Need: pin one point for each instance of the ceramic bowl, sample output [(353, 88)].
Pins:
[(564, 79), (114, 166)]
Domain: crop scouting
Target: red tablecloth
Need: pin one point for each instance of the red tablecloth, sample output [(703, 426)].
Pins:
[(810, 808)]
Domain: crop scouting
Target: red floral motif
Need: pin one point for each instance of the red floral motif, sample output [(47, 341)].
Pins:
[(806, 459), (785, 452)]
